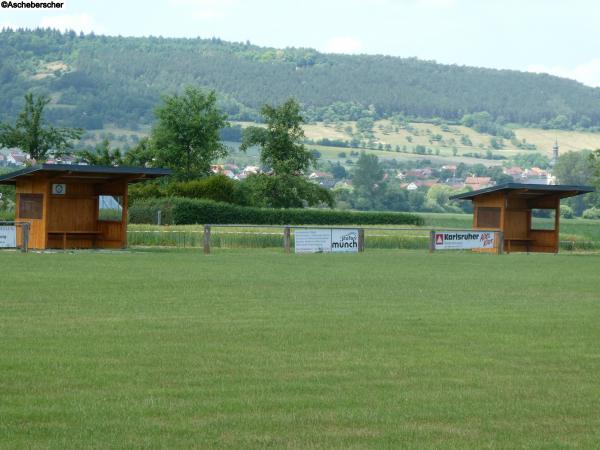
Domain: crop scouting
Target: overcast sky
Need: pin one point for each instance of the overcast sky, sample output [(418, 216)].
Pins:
[(555, 36)]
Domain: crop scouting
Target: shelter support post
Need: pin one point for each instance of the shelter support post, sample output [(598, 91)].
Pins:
[(361, 239), (557, 226), (500, 242), (286, 239), (206, 239), (431, 241), (25, 237)]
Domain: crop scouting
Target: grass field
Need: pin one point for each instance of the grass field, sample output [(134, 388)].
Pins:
[(256, 349)]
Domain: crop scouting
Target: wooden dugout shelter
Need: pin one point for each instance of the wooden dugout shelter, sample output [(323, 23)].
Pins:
[(509, 208), (75, 206)]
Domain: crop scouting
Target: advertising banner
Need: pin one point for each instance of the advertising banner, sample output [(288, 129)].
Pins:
[(463, 240), (319, 240), (8, 236), (344, 241)]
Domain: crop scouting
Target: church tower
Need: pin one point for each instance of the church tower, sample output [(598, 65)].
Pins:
[(554, 153)]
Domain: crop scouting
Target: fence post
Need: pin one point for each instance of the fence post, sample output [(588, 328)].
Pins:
[(286, 239), (431, 241), (500, 242), (159, 217), (206, 239), (25, 237), (361, 239)]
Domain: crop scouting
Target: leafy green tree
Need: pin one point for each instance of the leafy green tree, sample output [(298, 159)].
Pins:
[(102, 155), (367, 175), (142, 155), (281, 141), (33, 136), (365, 124), (186, 136), (529, 160), (282, 150), (578, 168), (283, 191), (338, 171), (437, 198), (574, 168)]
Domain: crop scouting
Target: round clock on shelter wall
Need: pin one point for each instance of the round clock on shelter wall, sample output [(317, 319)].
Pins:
[(59, 189)]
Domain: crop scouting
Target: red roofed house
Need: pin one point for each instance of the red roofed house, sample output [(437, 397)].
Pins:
[(477, 183)]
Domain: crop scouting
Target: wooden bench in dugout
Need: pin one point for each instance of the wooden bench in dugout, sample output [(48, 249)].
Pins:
[(525, 240), (65, 235)]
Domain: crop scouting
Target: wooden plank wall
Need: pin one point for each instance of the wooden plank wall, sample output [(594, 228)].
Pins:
[(37, 227)]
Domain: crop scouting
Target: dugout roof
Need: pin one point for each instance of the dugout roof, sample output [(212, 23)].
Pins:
[(527, 191), (101, 174)]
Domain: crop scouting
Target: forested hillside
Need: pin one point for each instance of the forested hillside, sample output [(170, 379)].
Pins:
[(96, 80)]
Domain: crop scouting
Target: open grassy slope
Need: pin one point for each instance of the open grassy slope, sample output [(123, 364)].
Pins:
[(420, 134), (255, 349)]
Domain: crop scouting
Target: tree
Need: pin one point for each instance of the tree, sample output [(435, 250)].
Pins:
[(102, 155), (284, 191), (338, 171), (186, 137), (282, 150), (281, 141), (367, 176), (142, 155), (577, 168), (574, 168), (32, 135)]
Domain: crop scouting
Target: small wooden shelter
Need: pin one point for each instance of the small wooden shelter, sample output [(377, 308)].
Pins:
[(75, 206), (513, 208)]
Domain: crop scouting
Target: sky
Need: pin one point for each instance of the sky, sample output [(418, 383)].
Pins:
[(553, 36)]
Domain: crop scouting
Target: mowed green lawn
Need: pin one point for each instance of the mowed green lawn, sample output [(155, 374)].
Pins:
[(254, 349)]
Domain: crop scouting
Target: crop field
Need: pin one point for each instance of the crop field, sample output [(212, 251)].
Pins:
[(251, 348)]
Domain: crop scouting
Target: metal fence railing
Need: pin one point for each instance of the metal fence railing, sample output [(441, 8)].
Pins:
[(277, 236)]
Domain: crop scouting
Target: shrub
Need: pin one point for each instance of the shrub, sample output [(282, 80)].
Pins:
[(185, 211), (282, 191), (566, 212), (591, 213), (140, 191), (7, 216), (218, 188)]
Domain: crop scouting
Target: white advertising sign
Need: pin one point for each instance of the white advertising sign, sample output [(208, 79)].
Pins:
[(344, 241), (463, 240), (8, 236), (321, 240)]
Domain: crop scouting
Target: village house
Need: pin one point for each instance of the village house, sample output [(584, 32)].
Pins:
[(17, 158), (515, 172), (535, 175), (420, 174), (476, 183), (414, 185), (455, 183)]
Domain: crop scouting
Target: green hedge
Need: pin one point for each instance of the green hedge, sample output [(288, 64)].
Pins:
[(185, 211), (7, 216)]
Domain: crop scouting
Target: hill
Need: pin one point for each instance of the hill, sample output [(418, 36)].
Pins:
[(96, 80), (334, 142)]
